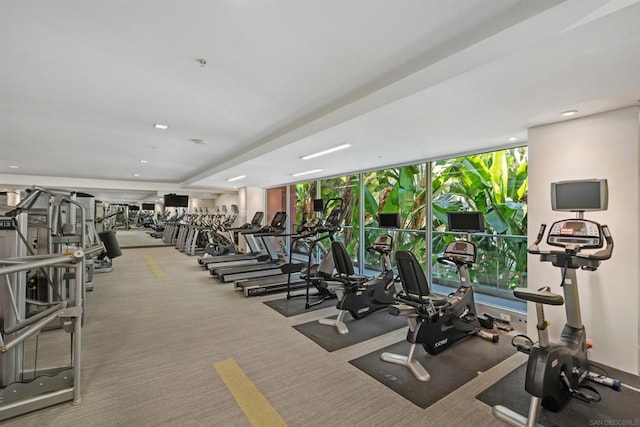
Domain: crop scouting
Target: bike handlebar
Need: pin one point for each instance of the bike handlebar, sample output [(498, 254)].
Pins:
[(600, 255)]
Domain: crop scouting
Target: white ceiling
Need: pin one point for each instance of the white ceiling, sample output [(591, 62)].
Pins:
[(83, 82)]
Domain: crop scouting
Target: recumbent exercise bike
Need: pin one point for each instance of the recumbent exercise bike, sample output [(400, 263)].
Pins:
[(360, 295), (437, 322)]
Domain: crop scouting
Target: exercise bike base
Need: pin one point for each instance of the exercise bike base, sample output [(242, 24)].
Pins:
[(513, 418), (414, 366), (337, 323)]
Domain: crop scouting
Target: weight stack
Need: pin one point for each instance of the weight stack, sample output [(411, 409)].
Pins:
[(108, 238)]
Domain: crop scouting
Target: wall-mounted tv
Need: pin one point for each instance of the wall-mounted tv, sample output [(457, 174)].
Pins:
[(389, 220), (134, 207), (176, 201), (148, 206), (471, 222), (580, 195)]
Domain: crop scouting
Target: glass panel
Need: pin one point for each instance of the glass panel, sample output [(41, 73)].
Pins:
[(500, 262), (495, 184), (402, 190), (347, 188), (405, 240), (305, 193)]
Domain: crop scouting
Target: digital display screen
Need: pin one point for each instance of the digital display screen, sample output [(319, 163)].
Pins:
[(278, 219), (578, 196), (176, 201), (472, 222), (257, 218), (389, 220)]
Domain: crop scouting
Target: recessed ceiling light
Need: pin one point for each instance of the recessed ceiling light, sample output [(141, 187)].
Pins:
[(160, 126), (306, 172), (513, 139), (327, 151), (236, 178), (136, 174), (144, 161), (569, 113), (13, 167), (198, 141)]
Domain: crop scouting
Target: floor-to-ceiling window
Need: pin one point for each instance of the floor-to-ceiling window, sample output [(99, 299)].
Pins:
[(345, 190), (396, 190), (305, 192), (495, 184)]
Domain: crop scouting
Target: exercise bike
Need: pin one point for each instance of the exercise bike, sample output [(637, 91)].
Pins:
[(360, 295), (556, 371), (436, 322)]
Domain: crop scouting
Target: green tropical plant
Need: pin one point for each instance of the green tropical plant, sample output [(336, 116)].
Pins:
[(496, 184)]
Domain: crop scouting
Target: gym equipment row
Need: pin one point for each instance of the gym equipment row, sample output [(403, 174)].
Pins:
[(556, 372)]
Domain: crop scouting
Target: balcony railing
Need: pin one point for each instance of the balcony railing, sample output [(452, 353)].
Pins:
[(501, 260)]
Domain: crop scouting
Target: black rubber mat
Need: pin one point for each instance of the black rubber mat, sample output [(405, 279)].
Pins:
[(616, 407), (449, 370), (295, 306), (371, 326)]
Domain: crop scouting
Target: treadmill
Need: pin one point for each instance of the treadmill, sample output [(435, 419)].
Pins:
[(257, 251), (268, 267), (254, 225), (292, 277)]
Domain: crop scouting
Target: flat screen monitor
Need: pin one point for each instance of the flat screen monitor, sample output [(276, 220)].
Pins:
[(134, 207), (579, 195), (470, 222), (176, 201), (318, 205), (148, 206), (279, 219), (257, 218), (389, 220)]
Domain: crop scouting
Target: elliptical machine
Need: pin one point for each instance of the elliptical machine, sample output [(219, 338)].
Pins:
[(320, 263), (437, 322), (219, 244), (556, 371)]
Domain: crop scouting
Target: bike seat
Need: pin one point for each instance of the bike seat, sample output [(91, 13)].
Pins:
[(538, 296), (437, 300)]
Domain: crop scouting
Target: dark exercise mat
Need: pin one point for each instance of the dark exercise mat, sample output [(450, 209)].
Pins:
[(295, 306), (449, 370), (615, 408), (371, 326)]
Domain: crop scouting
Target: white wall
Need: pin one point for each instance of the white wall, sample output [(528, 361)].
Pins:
[(242, 205), (202, 203), (229, 199), (256, 201), (599, 146)]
